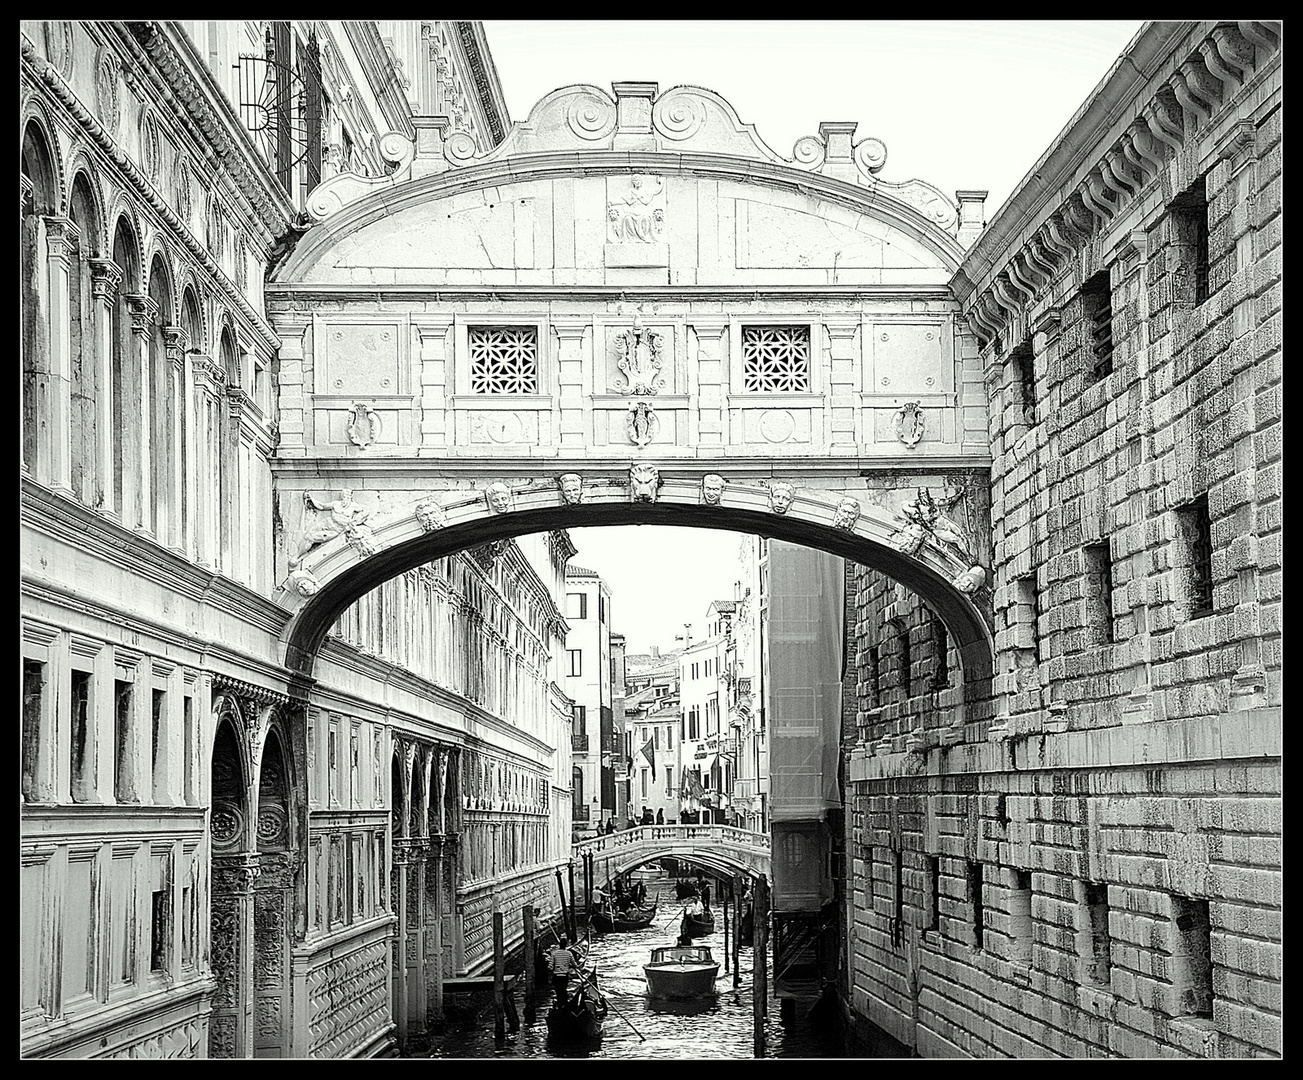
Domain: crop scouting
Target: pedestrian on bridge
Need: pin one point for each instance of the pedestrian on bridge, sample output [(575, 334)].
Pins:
[(660, 816)]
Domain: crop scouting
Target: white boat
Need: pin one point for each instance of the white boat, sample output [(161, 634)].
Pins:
[(681, 971)]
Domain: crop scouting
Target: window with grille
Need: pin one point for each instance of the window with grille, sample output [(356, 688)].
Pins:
[(1023, 361), (776, 359), (1189, 212), (1097, 301), (1099, 592), (1196, 536), (504, 359)]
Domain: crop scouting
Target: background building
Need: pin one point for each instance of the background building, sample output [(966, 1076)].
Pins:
[(588, 683)]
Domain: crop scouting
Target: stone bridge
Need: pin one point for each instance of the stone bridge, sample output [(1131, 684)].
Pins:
[(722, 848), (632, 311)]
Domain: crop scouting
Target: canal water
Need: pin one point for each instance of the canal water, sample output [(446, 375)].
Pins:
[(719, 1027)]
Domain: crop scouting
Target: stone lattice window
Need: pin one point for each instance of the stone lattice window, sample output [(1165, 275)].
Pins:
[(504, 359), (776, 358)]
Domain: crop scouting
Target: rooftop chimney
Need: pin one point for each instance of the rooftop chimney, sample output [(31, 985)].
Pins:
[(656, 652)]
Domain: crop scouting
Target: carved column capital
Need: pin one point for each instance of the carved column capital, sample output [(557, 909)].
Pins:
[(210, 378), (61, 235), (144, 313), (175, 340), (105, 277)]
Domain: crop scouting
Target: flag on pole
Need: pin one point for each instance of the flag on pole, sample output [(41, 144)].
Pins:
[(648, 754)]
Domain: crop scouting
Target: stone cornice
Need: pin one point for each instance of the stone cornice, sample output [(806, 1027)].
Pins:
[(173, 56), (381, 76), (1127, 134), (484, 77), (616, 466), (547, 293), (44, 72), (69, 522), (351, 658)]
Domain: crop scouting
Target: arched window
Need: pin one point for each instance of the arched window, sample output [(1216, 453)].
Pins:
[(41, 200), (87, 473), (123, 375), (161, 408)]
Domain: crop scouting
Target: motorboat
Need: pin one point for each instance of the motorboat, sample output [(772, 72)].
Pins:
[(698, 925), (681, 971), (650, 872), (607, 921), (580, 1018)]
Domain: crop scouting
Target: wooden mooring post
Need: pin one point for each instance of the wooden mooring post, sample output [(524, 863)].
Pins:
[(527, 919), (737, 928), (759, 963), (499, 978)]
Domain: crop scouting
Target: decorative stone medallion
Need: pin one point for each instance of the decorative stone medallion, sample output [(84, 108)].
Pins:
[(909, 423), (106, 89), (58, 46), (642, 424), (364, 425)]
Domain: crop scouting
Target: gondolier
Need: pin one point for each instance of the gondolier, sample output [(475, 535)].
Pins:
[(561, 963)]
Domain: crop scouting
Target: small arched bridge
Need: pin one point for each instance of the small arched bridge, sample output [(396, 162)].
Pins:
[(721, 848)]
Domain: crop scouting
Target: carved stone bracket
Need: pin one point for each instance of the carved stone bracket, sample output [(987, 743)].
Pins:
[(430, 514), (644, 482)]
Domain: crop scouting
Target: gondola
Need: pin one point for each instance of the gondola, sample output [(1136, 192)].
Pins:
[(581, 1018), (695, 926), (683, 889), (606, 921)]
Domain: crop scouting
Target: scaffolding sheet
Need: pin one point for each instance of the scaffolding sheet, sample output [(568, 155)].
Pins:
[(805, 644)]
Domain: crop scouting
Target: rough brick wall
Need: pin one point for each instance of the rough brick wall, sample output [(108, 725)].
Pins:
[(1133, 766)]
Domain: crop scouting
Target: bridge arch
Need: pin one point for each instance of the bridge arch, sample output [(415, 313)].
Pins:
[(343, 569), (720, 848)]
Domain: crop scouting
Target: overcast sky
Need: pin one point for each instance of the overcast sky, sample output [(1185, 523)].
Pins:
[(962, 105)]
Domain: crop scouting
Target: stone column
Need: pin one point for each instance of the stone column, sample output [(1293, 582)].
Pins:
[(416, 985), (710, 410), (106, 277), (434, 932), (399, 886), (436, 409), (230, 1027), (60, 237), (136, 449), (572, 415), (843, 410), (175, 340)]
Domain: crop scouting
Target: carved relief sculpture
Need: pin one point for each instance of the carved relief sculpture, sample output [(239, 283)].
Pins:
[(343, 516), (498, 496), (640, 359), (970, 580), (644, 482), (632, 218), (430, 514), (909, 423), (364, 426), (642, 424), (848, 512), (712, 489), (572, 488), (909, 539), (780, 497)]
